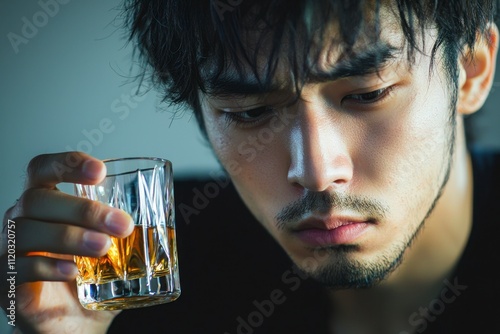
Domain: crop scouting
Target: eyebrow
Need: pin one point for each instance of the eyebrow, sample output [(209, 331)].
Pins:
[(364, 62), (232, 83)]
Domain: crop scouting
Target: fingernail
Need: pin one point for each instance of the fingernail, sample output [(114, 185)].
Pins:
[(92, 169), (117, 223), (95, 241), (66, 268)]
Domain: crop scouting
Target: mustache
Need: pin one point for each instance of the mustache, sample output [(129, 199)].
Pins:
[(323, 202)]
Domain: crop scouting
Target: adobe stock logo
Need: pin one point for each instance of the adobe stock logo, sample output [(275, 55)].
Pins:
[(420, 319), (31, 27)]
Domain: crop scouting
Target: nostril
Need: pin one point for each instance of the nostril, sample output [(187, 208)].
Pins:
[(319, 176)]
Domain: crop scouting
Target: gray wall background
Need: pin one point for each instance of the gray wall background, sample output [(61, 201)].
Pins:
[(70, 74), (69, 81)]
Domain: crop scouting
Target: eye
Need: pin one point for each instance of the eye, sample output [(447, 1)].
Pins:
[(249, 117), (371, 97)]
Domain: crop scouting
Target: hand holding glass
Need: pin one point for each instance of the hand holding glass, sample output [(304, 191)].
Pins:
[(141, 269)]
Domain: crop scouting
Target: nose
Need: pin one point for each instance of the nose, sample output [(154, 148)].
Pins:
[(319, 158)]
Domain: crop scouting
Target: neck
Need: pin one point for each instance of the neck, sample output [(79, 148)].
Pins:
[(427, 265)]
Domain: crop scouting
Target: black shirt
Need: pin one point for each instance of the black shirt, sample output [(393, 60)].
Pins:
[(235, 279), (471, 303)]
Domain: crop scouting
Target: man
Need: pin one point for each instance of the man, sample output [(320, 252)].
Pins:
[(341, 127)]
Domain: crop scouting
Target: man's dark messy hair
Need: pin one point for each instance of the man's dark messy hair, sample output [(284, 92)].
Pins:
[(185, 45)]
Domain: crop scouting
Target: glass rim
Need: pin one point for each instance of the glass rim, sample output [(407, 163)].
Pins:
[(109, 160), (114, 167)]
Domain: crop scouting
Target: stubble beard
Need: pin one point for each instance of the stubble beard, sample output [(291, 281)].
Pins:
[(344, 272)]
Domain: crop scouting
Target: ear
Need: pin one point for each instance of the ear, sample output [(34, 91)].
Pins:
[(477, 70)]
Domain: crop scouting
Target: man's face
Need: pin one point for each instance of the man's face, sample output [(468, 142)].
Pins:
[(344, 177)]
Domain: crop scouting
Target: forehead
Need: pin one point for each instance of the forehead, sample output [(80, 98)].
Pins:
[(378, 30), (274, 56)]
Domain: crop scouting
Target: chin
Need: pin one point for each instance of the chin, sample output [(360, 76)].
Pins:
[(338, 267)]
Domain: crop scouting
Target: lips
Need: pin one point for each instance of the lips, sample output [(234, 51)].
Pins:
[(331, 231)]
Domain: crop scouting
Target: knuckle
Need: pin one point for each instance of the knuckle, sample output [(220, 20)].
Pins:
[(36, 164), (68, 237), (9, 213), (28, 197), (37, 268), (89, 211)]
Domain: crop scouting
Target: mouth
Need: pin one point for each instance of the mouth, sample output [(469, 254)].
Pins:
[(331, 231)]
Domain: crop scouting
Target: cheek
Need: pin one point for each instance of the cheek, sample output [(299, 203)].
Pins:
[(262, 182), (408, 153), (256, 162), (222, 144)]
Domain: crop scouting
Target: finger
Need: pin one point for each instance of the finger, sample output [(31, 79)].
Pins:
[(43, 204), (33, 236), (46, 170), (38, 268)]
